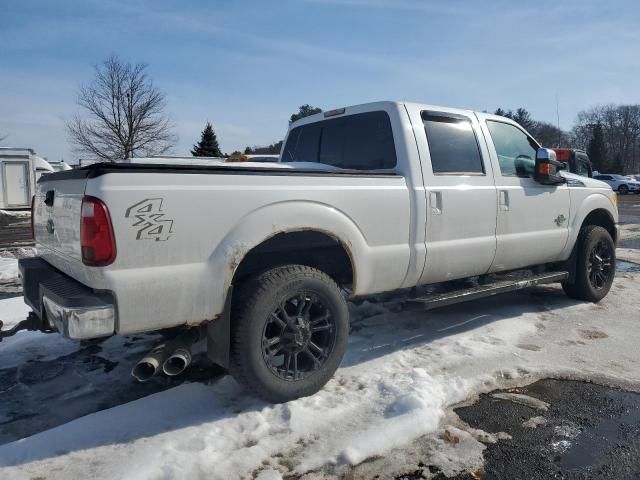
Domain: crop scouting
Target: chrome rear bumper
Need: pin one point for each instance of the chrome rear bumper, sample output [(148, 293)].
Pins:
[(73, 309)]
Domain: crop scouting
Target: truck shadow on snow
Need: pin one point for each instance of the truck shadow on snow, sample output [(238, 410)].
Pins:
[(373, 335), (45, 391)]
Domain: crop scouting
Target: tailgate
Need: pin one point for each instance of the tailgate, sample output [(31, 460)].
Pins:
[(57, 215)]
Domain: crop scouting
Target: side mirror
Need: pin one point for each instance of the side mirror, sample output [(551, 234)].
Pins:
[(548, 168)]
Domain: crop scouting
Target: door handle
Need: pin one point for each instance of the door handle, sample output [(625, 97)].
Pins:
[(504, 200), (435, 203)]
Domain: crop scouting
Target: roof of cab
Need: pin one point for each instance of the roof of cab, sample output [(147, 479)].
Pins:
[(382, 105)]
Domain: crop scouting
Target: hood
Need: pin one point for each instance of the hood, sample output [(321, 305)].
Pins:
[(579, 180)]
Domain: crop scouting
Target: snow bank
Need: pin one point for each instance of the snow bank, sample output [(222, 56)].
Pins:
[(8, 270), (9, 263), (12, 311)]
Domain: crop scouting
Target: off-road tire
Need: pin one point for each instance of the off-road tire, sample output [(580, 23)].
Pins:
[(582, 288), (253, 306)]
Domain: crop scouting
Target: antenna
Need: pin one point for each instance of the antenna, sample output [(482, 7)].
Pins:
[(558, 118)]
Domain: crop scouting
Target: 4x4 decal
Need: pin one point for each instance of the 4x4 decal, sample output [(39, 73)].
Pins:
[(151, 222)]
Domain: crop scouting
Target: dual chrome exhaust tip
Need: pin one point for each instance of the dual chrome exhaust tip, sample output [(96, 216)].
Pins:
[(172, 357)]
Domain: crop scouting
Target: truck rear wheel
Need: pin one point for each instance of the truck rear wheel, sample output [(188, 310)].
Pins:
[(595, 265), (289, 332)]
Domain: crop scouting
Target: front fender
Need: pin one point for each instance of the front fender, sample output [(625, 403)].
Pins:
[(594, 201)]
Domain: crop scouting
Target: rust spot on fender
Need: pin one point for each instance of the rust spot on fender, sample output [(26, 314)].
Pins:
[(237, 252)]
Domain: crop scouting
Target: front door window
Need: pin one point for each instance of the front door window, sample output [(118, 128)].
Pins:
[(515, 149)]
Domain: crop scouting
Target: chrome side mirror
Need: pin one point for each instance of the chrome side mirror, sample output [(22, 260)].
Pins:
[(548, 168)]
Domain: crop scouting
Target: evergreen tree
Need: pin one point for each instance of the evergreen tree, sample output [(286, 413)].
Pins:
[(523, 117), (248, 151), (208, 144), (597, 150), (304, 111)]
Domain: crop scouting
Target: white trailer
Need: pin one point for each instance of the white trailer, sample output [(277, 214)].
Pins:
[(20, 169)]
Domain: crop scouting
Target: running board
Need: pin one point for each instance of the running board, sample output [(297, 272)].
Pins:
[(474, 293)]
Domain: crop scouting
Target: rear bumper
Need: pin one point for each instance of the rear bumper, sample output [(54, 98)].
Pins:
[(73, 309)]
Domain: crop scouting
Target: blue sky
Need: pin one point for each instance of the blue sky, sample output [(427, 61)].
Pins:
[(246, 65)]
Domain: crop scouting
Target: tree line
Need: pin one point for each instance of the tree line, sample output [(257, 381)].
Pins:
[(610, 134), (124, 116)]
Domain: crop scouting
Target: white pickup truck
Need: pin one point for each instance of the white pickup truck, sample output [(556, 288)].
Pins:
[(261, 258)]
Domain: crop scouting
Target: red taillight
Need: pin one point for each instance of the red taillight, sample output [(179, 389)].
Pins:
[(33, 205), (96, 234)]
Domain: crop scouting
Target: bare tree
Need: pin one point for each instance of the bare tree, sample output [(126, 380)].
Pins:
[(124, 114), (548, 135), (620, 126)]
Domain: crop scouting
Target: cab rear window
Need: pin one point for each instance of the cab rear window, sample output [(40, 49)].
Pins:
[(363, 141)]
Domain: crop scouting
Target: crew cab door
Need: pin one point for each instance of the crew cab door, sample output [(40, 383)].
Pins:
[(533, 219), (460, 194)]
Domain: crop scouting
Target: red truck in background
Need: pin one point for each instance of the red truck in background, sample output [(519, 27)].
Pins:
[(577, 161)]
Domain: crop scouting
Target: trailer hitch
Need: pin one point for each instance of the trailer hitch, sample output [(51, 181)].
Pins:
[(31, 323)]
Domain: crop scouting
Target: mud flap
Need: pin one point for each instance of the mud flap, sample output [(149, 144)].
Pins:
[(219, 335)]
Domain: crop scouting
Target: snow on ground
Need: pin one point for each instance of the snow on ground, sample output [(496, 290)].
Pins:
[(12, 311), (8, 270), (9, 263), (402, 373)]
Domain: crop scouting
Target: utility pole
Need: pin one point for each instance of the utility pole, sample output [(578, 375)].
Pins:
[(558, 118)]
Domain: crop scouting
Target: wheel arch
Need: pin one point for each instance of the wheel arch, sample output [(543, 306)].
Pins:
[(274, 235), (596, 210), (601, 217), (313, 247), (595, 207)]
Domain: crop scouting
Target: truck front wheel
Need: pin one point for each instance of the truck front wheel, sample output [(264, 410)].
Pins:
[(289, 332), (595, 265)]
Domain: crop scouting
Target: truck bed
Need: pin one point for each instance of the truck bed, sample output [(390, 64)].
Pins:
[(182, 230)]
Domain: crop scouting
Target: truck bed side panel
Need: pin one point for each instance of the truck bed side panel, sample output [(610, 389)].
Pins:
[(180, 236)]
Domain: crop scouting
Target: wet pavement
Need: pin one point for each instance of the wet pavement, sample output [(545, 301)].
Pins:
[(629, 205), (588, 431), (43, 393)]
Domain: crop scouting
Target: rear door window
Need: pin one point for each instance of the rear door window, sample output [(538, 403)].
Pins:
[(453, 145), (363, 141)]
